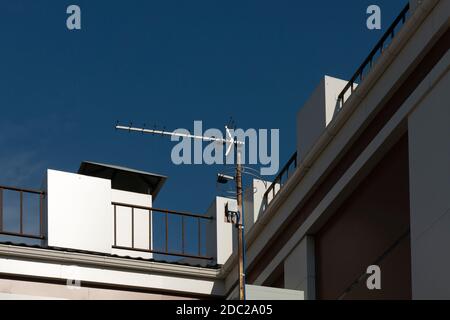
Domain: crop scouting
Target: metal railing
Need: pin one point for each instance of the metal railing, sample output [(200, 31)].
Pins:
[(367, 65), (184, 217), (20, 192), (280, 180)]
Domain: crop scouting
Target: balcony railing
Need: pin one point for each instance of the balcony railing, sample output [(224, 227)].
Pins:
[(21, 203), (368, 63), (280, 180), (164, 228)]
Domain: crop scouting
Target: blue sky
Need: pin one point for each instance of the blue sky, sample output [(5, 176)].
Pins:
[(166, 63)]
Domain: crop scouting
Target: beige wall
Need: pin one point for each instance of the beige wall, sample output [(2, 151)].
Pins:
[(299, 268), (429, 133), (369, 228), (20, 289)]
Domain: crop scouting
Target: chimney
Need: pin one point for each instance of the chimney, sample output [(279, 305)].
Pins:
[(317, 113)]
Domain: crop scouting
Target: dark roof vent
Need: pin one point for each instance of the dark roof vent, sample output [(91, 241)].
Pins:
[(124, 178)]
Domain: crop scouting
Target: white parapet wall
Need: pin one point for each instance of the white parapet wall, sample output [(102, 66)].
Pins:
[(299, 268), (254, 202), (79, 212), (317, 113), (80, 215), (220, 235)]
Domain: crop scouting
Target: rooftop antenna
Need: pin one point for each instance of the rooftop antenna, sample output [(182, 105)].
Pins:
[(229, 141)]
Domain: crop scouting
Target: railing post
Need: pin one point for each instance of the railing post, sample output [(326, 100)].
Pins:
[(41, 214), (115, 225), (167, 232), (132, 228), (199, 237), (150, 230), (1, 209), (21, 212), (273, 192), (182, 234)]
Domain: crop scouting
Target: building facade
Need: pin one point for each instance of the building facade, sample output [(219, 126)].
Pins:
[(367, 186)]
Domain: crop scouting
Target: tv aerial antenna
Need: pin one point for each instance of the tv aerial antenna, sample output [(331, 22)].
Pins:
[(230, 142)]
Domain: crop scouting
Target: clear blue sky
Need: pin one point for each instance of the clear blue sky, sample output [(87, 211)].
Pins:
[(167, 63)]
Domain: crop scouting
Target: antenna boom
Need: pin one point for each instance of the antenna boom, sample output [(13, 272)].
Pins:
[(179, 134)]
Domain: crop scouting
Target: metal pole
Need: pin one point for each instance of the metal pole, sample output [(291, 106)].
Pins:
[(240, 225)]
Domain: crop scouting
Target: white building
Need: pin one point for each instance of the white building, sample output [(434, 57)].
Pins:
[(368, 185)]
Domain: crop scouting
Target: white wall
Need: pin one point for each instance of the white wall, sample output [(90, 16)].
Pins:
[(191, 283), (79, 212), (299, 268), (253, 202), (429, 156), (220, 235), (317, 113), (80, 215), (260, 293)]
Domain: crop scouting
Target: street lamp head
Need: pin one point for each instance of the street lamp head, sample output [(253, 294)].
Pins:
[(223, 178)]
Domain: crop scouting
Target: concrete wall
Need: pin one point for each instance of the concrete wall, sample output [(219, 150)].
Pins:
[(369, 227), (80, 215), (259, 293), (29, 290), (317, 113), (262, 293), (429, 156), (79, 212), (253, 202), (221, 235), (83, 270), (299, 268)]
